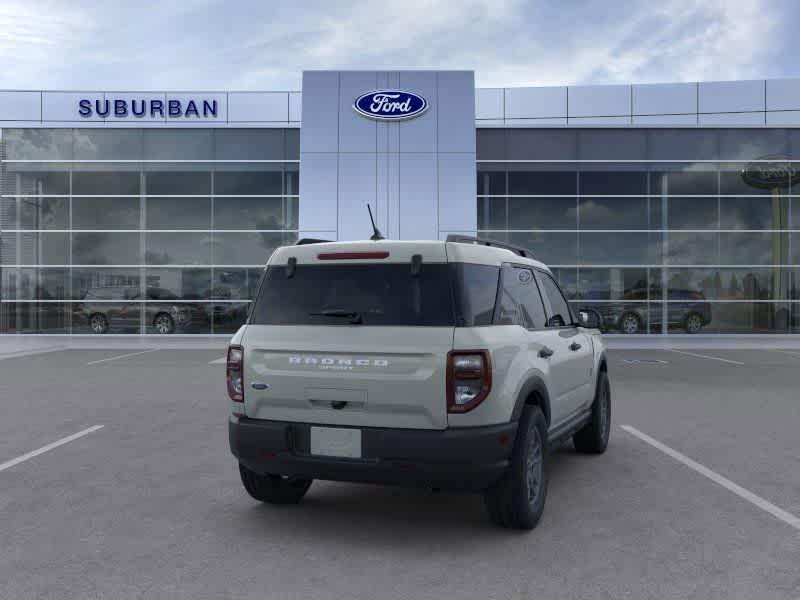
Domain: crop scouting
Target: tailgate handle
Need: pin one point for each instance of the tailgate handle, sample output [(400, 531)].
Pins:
[(257, 385), (337, 404)]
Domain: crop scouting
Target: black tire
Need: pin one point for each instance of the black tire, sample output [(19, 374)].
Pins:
[(164, 323), (630, 323), (98, 323), (593, 437), (273, 488), (693, 323), (517, 500)]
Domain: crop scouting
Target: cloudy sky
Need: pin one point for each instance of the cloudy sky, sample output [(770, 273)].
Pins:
[(251, 45)]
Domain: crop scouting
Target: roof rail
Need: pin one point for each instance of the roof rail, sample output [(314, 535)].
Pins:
[(465, 239), (304, 241)]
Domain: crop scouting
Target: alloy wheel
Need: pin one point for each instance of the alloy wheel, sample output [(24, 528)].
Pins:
[(693, 324), (534, 466), (604, 402), (97, 324), (163, 324), (630, 324)]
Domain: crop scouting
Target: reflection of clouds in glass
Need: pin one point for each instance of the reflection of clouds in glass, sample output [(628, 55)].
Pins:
[(84, 143), (32, 144), (754, 248), (105, 248), (178, 248), (542, 213), (692, 248), (613, 213), (764, 212), (247, 248), (593, 211), (619, 248), (692, 213)]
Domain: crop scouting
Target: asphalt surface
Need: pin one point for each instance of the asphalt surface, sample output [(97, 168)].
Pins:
[(150, 506)]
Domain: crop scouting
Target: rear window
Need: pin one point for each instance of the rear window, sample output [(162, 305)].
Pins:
[(442, 295), (370, 294)]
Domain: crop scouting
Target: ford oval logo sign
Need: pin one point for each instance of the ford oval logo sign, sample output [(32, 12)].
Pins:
[(390, 105)]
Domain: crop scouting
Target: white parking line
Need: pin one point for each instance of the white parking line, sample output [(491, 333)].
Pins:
[(726, 360), (219, 361), (758, 501), (30, 352), (797, 354), (43, 449), (94, 362)]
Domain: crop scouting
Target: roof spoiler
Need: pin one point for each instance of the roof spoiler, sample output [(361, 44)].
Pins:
[(465, 239), (304, 241)]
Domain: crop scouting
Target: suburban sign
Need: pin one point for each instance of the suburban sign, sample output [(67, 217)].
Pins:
[(778, 173), (390, 105), (148, 107)]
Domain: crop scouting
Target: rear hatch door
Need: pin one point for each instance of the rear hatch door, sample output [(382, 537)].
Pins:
[(352, 341)]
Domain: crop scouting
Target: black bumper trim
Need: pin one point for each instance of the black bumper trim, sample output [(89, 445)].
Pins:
[(468, 458)]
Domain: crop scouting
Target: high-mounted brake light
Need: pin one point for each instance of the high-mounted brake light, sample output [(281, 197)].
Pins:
[(351, 255), (469, 379), (234, 373)]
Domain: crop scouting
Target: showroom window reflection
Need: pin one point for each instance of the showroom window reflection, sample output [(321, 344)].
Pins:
[(659, 230), (136, 241)]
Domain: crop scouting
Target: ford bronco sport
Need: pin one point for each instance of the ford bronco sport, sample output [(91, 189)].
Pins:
[(454, 365)]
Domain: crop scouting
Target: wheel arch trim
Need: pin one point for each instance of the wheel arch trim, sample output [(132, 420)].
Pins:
[(533, 385)]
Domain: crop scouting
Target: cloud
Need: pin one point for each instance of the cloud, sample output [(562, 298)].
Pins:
[(211, 44), (37, 37), (674, 40)]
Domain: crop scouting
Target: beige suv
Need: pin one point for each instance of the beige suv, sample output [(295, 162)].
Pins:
[(449, 364)]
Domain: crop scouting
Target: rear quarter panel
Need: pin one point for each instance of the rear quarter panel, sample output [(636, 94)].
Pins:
[(514, 362)]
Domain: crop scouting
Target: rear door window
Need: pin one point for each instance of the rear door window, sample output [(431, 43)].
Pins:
[(366, 294), (476, 292), (520, 301)]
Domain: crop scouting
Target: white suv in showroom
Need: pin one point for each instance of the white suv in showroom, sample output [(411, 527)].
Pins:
[(451, 364)]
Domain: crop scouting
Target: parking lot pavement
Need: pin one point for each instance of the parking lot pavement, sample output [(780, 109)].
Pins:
[(150, 506)]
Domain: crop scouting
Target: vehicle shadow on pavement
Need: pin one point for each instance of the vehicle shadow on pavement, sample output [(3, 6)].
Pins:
[(369, 513)]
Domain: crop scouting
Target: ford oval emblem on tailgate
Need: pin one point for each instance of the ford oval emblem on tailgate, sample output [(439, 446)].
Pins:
[(390, 105)]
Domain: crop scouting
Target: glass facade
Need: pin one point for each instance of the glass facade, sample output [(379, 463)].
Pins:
[(140, 230), (131, 230), (659, 230)]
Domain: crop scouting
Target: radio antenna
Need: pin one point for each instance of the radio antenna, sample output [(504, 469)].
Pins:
[(376, 234)]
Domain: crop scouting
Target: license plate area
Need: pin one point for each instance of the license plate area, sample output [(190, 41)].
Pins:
[(335, 441)]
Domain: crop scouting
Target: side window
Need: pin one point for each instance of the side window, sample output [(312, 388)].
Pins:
[(560, 314), (520, 302), (476, 290)]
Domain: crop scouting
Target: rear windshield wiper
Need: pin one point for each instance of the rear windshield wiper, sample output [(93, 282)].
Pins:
[(355, 317)]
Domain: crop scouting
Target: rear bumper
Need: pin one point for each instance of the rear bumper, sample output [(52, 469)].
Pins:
[(469, 458)]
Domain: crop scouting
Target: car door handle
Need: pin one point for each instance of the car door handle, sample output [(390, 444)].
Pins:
[(574, 346), (545, 352)]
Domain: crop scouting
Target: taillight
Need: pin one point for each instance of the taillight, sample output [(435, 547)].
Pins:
[(469, 379), (235, 373)]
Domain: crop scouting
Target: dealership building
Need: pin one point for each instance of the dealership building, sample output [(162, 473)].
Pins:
[(669, 208)]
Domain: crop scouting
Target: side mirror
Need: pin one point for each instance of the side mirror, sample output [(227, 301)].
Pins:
[(590, 318)]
